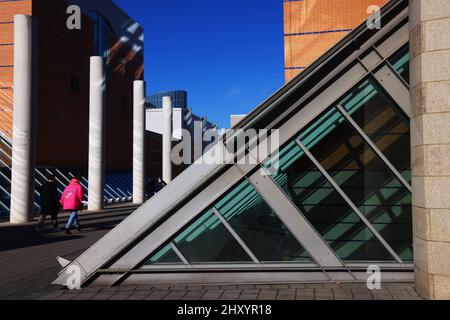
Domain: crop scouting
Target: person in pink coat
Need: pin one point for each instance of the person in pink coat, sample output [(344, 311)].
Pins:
[(72, 202)]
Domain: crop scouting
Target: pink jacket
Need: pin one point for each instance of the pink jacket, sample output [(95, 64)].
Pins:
[(72, 196)]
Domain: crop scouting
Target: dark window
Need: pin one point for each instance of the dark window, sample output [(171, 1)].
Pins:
[(75, 34), (164, 256), (123, 103), (74, 84), (400, 62), (208, 241), (324, 207), (259, 227)]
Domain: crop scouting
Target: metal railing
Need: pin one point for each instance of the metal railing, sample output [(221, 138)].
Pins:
[(118, 186)]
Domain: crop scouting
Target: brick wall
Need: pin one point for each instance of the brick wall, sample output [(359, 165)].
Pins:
[(314, 26), (7, 11), (63, 87)]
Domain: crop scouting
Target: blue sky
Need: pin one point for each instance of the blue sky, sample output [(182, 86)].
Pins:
[(228, 54)]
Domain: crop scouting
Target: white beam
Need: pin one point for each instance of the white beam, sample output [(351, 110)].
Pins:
[(96, 173), (139, 142), (23, 146)]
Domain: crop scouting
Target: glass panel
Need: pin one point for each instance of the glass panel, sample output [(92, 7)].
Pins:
[(164, 256), (324, 208), (383, 122), (365, 179), (259, 227), (208, 241), (400, 62)]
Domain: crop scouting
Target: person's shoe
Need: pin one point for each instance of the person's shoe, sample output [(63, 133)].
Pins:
[(67, 231), (79, 229)]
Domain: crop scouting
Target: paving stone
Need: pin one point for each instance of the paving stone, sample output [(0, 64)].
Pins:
[(177, 288), (246, 286), (304, 294), (229, 287), (66, 297), (110, 289), (343, 297), (157, 295), (361, 294), (269, 291), (119, 296), (286, 294), (102, 296), (211, 287), (127, 288), (323, 294), (297, 286), (91, 289), (314, 285), (396, 285), (161, 288), (212, 294), (340, 293), (248, 296), (139, 295), (52, 295), (144, 288), (263, 286), (267, 297), (351, 285), (85, 296), (382, 294), (175, 295), (231, 295), (400, 294), (251, 291), (280, 286), (194, 287), (194, 295), (412, 291)]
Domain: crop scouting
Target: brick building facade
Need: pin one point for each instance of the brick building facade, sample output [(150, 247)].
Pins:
[(63, 79), (311, 27)]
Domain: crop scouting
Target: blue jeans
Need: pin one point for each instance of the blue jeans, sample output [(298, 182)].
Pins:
[(73, 219)]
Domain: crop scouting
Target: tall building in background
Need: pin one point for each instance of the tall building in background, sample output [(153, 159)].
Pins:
[(311, 27), (62, 85), (179, 99)]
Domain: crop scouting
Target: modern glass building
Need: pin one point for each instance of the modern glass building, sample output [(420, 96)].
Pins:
[(340, 201), (179, 99)]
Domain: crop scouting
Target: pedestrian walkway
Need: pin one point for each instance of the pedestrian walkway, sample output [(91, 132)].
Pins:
[(28, 261), (28, 264), (296, 291)]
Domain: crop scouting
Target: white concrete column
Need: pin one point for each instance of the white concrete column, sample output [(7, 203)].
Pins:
[(96, 175), (24, 115), (430, 138), (167, 139), (198, 138), (139, 142)]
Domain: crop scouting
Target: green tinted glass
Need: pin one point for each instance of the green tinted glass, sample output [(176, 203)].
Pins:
[(383, 122), (259, 227), (164, 256), (208, 241), (400, 63), (364, 178), (324, 208)]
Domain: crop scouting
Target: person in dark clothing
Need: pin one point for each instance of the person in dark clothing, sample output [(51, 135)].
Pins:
[(160, 184), (150, 188), (49, 202)]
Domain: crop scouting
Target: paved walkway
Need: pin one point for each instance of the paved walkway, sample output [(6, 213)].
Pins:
[(328, 291), (28, 261), (28, 264)]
